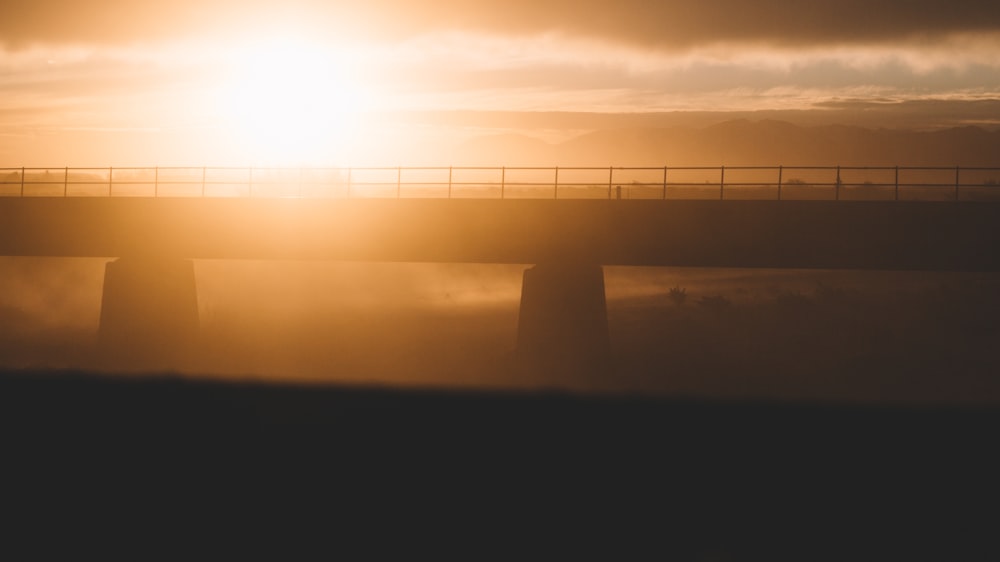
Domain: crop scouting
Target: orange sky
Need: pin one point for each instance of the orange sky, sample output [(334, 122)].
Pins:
[(253, 82)]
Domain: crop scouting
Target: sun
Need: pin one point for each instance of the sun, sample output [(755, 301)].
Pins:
[(289, 102)]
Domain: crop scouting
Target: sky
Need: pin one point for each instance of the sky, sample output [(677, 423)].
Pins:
[(289, 82)]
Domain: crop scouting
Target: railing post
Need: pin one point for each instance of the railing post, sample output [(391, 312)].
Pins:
[(781, 169), (449, 181), (65, 181), (722, 183), (956, 182), (22, 181), (611, 176), (664, 183), (503, 180), (836, 189), (111, 174), (555, 186), (896, 181)]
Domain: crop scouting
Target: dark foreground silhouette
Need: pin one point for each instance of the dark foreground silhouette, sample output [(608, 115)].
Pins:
[(163, 462)]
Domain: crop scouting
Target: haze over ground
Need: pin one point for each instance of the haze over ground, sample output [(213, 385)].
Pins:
[(855, 336)]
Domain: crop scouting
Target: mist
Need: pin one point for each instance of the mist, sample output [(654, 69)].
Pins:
[(873, 336)]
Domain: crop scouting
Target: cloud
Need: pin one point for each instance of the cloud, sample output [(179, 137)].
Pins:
[(667, 24)]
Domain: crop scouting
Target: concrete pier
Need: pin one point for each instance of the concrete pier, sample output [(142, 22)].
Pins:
[(149, 313), (563, 321)]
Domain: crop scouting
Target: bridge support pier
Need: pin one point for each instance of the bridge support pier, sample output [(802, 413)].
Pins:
[(563, 320), (149, 313)]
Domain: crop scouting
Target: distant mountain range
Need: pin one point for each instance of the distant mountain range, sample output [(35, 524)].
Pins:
[(743, 142)]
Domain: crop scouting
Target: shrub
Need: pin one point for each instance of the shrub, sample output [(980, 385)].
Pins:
[(678, 295)]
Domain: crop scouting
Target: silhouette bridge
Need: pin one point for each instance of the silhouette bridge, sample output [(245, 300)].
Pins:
[(149, 300)]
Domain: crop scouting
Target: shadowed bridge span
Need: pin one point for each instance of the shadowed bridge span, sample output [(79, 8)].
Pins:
[(961, 236)]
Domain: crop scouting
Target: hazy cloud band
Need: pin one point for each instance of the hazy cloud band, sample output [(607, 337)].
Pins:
[(669, 24)]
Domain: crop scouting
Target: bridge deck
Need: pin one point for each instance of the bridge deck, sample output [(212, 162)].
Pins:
[(786, 234)]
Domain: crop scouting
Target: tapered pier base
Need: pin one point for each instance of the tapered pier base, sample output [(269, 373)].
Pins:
[(563, 322), (149, 314)]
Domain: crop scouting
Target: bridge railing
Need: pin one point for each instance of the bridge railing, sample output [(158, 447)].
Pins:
[(868, 183)]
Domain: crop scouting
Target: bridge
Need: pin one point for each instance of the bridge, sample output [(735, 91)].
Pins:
[(567, 229)]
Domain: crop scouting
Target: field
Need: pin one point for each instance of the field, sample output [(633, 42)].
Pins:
[(782, 334)]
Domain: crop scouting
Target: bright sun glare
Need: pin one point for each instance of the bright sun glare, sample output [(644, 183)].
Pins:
[(290, 102)]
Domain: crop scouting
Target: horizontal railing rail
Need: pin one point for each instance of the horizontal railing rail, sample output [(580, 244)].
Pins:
[(867, 183)]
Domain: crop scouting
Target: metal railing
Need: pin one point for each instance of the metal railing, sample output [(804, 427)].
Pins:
[(892, 183)]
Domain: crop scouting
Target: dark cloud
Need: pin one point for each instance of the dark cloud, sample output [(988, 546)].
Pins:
[(871, 113), (666, 24)]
